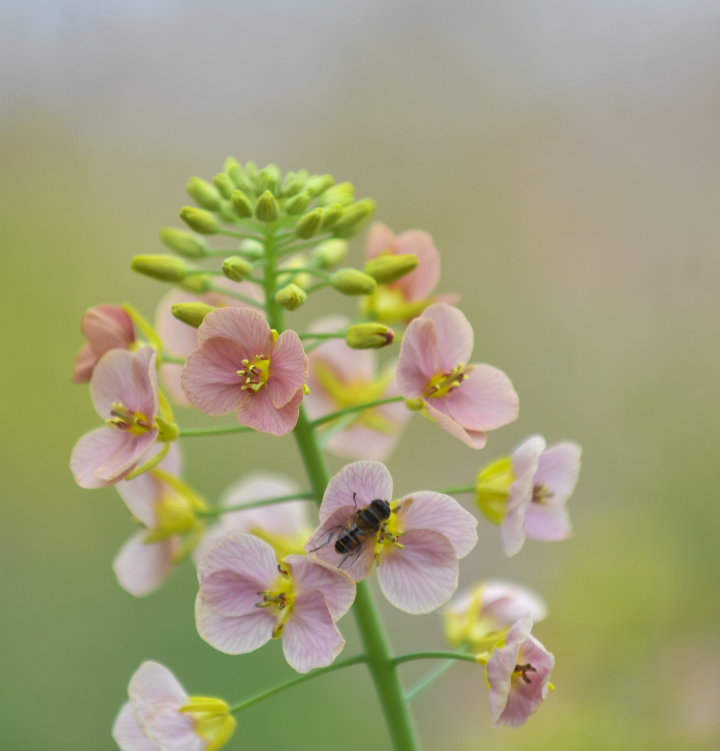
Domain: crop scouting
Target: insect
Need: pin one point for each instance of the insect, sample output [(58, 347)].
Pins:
[(365, 525)]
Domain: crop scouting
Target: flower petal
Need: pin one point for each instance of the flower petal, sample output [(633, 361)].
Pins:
[(422, 576), (230, 593), (419, 358), (91, 451), (153, 683), (475, 439), (134, 450), (245, 326), (107, 327), (439, 513), (502, 665), (454, 334), (128, 378), (84, 364), (334, 585), (507, 603), (257, 412), (558, 470), (310, 637), (288, 369), (368, 481), (127, 733), (140, 568), (234, 636), (172, 730), (210, 377), (381, 239), (547, 524), (420, 282), (249, 557)]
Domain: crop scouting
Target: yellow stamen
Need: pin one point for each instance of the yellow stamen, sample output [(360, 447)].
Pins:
[(124, 419), (256, 374), (442, 384)]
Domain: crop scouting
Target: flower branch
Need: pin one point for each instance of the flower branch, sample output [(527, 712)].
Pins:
[(355, 408)]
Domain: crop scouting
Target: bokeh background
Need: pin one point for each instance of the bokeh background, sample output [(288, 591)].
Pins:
[(565, 157)]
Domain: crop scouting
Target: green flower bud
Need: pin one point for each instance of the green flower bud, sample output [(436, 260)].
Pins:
[(251, 170), (183, 243), (197, 283), (237, 175), (200, 220), (342, 193), (224, 185), (191, 313), (252, 248), (354, 218), (369, 336), (291, 297), (310, 224), (227, 211), (331, 214), (267, 208), (242, 205), (236, 268), (231, 164), (492, 489), (291, 184), (297, 204), (353, 282), (319, 184), (414, 405), (268, 179), (204, 194), (387, 268), (329, 252), (164, 268)]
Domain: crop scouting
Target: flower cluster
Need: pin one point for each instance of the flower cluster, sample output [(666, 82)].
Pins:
[(271, 564)]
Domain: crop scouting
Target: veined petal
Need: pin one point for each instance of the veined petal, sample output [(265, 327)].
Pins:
[(172, 730), (310, 637), (420, 282), (257, 412), (475, 439), (439, 513), (230, 593), (502, 665), (84, 365), (129, 453), (140, 568), (334, 585), (91, 451), (125, 377), (153, 683), (210, 377), (127, 733), (367, 481), (245, 326), (455, 335), (288, 369), (238, 635), (547, 524), (423, 575), (419, 358), (249, 557), (558, 470), (107, 327)]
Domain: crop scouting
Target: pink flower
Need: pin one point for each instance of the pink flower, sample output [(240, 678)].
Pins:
[(544, 480), (284, 526), (418, 541), (105, 327), (124, 393), (179, 339), (160, 715), (481, 615), (465, 400), (407, 297), (518, 675), (341, 377), (246, 599), (242, 366)]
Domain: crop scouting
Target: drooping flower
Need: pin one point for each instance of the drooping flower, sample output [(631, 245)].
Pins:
[(179, 339), (341, 377), (465, 400), (161, 716), (242, 366), (166, 507), (416, 543), (123, 389), (527, 492), (518, 675), (105, 327), (407, 297), (246, 599), (284, 526), (480, 616)]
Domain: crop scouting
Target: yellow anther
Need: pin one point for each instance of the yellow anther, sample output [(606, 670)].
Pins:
[(443, 383)]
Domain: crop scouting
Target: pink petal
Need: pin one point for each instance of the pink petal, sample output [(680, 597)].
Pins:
[(107, 327), (133, 451), (420, 282), (419, 359), (439, 513), (288, 369), (334, 585), (310, 637), (454, 335), (507, 603), (128, 378), (475, 439), (257, 412), (84, 364), (547, 524), (558, 470), (381, 239), (422, 576), (140, 568), (485, 401), (91, 451), (229, 593), (172, 730), (249, 557), (127, 733), (245, 326), (502, 665), (170, 375), (153, 683), (235, 636), (368, 480), (210, 377), (358, 567)]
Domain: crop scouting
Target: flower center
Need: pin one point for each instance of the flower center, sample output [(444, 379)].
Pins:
[(541, 493), (281, 597), (389, 533), (255, 374), (444, 383), (133, 422), (523, 670), (212, 720)]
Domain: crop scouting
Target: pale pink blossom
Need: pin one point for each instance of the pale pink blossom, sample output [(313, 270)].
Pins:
[(407, 297), (416, 547), (465, 400), (179, 339), (544, 480), (284, 526), (341, 377), (246, 599), (105, 327), (518, 675), (123, 389), (160, 716), (240, 366)]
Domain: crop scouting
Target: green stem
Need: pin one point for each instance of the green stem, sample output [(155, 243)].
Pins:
[(428, 681), (305, 270), (284, 248), (170, 358), (316, 287), (254, 504), (239, 235), (355, 408), (205, 272), (310, 335), (219, 430), (458, 491), (412, 656), (236, 295), (297, 681)]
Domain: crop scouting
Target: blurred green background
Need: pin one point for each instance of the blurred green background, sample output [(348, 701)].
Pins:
[(564, 155)]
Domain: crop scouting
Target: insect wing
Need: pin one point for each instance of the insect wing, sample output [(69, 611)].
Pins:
[(351, 557), (336, 532)]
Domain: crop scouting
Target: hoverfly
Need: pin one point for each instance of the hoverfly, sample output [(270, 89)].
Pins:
[(365, 525)]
